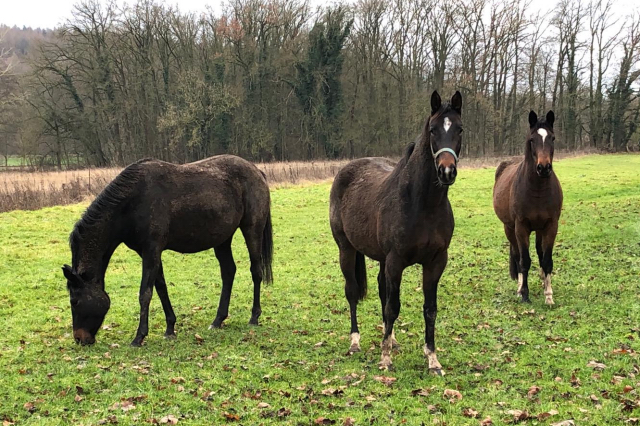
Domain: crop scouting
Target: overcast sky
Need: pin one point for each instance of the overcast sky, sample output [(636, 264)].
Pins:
[(51, 13)]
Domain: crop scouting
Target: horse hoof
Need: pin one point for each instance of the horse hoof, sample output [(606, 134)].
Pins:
[(253, 321), (171, 336), (549, 301), (136, 344), (437, 371), (353, 349)]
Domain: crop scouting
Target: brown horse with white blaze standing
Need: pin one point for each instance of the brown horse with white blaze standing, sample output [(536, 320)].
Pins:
[(400, 215), (527, 197)]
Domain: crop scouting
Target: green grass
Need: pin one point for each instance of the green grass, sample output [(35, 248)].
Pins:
[(494, 349)]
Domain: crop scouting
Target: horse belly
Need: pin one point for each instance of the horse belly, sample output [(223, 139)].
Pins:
[(197, 229)]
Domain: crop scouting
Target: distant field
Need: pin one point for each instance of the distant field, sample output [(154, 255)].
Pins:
[(507, 360)]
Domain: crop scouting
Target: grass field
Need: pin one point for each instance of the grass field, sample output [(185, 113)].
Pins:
[(509, 361)]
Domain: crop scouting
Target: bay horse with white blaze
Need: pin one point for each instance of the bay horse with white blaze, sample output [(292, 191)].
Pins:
[(527, 197), (152, 206), (400, 215)]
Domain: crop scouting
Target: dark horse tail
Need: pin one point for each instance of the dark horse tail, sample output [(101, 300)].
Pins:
[(361, 275), (267, 250)]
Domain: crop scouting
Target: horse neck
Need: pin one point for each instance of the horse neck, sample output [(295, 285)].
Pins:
[(94, 250), (426, 191)]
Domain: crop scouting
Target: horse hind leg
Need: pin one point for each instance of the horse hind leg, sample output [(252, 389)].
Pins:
[(382, 292), (228, 273), (170, 316), (354, 272), (254, 239)]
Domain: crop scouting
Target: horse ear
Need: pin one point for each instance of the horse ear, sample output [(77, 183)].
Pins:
[(550, 118), (533, 119), (436, 102), (456, 102), (73, 280)]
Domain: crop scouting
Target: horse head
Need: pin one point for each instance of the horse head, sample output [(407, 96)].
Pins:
[(444, 130), (540, 143), (89, 304)]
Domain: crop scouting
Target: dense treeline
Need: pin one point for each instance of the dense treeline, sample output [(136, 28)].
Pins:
[(277, 80)]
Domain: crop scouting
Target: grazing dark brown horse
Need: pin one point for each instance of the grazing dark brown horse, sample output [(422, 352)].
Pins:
[(399, 214), (527, 197), (152, 206)]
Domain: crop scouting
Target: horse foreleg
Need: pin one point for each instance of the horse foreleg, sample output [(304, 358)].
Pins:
[(150, 266), (540, 252), (393, 275), (170, 316), (548, 239), (228, 273), (522, 237), (431, 274)]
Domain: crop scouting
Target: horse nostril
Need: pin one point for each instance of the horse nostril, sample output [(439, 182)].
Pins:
[(549, 167), (539, 168)]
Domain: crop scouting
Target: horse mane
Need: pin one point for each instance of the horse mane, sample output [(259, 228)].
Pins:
[(117, 191)]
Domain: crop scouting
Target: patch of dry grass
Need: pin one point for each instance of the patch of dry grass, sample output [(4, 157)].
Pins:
[(29, 190)]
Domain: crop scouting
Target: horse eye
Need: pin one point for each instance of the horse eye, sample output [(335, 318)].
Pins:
[(432, 131), (461, 130)]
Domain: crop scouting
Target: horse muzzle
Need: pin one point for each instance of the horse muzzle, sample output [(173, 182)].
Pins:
[(544, 170), (447, 174), (83, 337)]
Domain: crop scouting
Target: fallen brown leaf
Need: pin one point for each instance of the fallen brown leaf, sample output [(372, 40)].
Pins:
[(470, 412), (518, 415), (283, 412), (453, 395), (324, 421), (546, 415), (533, 390), (421, 392), (596, 365), (169, 419), (349, 421), (231, 416), (385, 380), (263, 405), (486, 422)]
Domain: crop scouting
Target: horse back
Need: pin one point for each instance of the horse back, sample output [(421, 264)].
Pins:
[(196, 206), (353, 203)]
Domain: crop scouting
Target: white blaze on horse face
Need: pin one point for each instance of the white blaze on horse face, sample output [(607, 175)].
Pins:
[(447, 124), (543, 133)]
